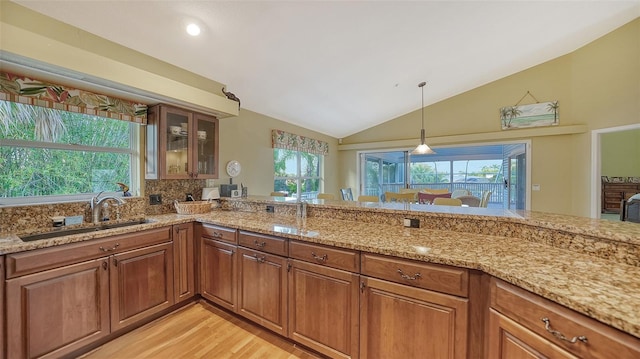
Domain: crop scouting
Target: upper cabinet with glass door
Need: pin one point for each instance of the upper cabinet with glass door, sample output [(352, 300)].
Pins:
[(181, 144)]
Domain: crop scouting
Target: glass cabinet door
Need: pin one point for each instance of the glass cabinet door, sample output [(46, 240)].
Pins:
[(176, 129), (206, 139)]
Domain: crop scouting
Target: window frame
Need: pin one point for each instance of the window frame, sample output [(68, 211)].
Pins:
[(134, 162), (298, 177)]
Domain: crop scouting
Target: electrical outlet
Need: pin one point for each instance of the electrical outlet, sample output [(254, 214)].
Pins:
[(412, 222), (270, 209), (155, 199)]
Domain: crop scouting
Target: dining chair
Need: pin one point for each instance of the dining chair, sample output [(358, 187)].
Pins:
[(409, 190), (347, 195), (435, 190), (460, 192), (399, 197), (471, 201), (368, 199), (427, 198), (484, 201), (326, 196), (278, 194), (440, 201)]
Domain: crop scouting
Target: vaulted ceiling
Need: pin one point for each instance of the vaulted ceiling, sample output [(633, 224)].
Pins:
[(339, 67)]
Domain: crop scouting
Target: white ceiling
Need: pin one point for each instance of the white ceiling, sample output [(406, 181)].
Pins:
[(339, 67)]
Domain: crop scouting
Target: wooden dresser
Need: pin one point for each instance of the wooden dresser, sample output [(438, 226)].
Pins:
[(613, 193)]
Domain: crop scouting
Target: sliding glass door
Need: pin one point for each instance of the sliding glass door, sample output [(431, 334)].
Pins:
[(382, 172)]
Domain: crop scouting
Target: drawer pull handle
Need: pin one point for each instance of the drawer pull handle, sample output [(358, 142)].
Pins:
[(259, 244), (260, 259), (323, 258), (557, 334), (217, 235), (110, 249), (408, 277)]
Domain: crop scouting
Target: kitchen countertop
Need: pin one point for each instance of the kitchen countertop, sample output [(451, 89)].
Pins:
[(606, 290)]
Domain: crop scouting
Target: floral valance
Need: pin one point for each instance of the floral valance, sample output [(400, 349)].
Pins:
[(22, 89), (290, 141)]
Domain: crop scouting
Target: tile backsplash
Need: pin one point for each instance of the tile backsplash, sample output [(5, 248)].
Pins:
[(171, 190), (17, 219)]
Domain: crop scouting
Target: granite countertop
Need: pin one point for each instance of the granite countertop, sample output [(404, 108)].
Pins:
[(603, 289)]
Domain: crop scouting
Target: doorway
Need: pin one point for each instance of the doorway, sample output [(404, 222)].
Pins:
[(596, 164)]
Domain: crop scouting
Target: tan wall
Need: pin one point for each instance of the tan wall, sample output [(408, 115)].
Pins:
[(597, 85), (620, 153), (247, 139)]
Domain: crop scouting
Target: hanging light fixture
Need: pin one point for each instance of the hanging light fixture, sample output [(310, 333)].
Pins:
[(422, 148)]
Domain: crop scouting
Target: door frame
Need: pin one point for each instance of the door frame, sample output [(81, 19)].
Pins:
[(596, 164)]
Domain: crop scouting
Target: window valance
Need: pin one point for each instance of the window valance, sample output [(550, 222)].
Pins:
[(290, 141), (22, 89)]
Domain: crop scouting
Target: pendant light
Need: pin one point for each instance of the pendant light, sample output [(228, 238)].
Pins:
[(422, 149)]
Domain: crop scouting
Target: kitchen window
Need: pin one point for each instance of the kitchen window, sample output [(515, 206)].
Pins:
[(50, 155), (297, 173)]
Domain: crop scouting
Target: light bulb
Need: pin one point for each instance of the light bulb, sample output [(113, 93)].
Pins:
[(193, 29)]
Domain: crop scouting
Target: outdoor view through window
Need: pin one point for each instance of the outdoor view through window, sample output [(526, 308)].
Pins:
[(297, 173), (46, 152)]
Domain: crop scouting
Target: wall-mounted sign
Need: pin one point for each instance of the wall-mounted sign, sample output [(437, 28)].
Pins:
[(534, 115)]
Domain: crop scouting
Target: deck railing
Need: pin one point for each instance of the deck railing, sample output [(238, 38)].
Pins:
[(497, 196)]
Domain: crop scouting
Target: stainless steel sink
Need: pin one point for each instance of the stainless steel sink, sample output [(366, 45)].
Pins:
[(68, 232)]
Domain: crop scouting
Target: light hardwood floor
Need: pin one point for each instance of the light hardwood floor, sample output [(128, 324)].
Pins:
[(199, 331)]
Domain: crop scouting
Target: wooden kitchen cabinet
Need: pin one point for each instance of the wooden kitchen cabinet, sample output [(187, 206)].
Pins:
[(510, 340), (181, 144), (218, 266), (63, 298), (525, 325), (412, 309), (141, 284), (184, 262), (54, 312), (262, 289), (323, 309), (398, 321)]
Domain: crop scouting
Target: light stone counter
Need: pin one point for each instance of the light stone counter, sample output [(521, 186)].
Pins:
[(550, 255)]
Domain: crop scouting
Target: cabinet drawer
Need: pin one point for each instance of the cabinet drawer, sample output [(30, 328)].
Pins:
[(329, 256), (219, 233), (269, 244), (440, 278), (19, 264), (529, 310)]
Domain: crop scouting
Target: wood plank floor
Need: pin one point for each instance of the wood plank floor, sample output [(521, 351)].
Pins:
[(199, 331)]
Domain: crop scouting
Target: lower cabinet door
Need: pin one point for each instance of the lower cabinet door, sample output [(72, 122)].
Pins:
[(262, 289), (141, 284), (399, 321), (183, 262), (52, 313), (323, 309), (509, 340), (218, 274)]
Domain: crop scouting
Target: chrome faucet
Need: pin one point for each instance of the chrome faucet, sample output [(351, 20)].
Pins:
[(95, 205)]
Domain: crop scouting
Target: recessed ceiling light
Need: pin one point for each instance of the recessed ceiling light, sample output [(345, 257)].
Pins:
[(193, 29)]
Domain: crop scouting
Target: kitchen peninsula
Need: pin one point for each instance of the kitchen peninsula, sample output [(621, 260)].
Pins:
[(589, 266)]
